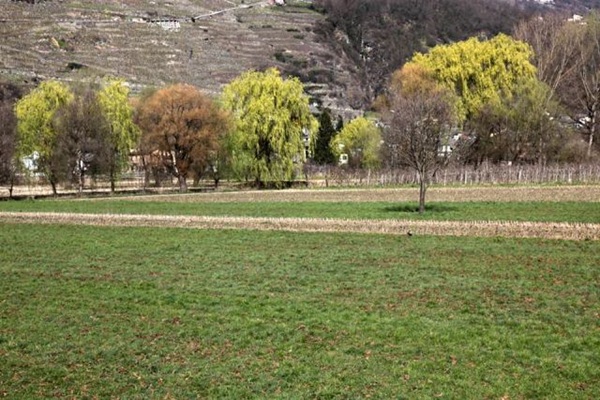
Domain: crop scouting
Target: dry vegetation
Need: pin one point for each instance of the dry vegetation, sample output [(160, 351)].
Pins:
[(566, 231), (82, 40), (446, 194)]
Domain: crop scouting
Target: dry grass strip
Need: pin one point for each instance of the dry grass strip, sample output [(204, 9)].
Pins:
[(434, 194), (567, 231)]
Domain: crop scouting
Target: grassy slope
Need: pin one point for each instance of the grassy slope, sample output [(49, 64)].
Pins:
[(455, 211), (97, 311)]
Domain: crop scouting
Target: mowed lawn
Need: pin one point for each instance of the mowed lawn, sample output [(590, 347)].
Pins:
[(163, 313)]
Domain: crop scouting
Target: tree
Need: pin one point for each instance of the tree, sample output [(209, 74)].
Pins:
[(323, 153), (554, 41), (374, 38), (360, 139), (580, 92), (82, 144), (521, 128), (124, 134), (273, 125), (36, 132), (9, 94), (568, 60), (418, 125), (478, 72), (184, 126)]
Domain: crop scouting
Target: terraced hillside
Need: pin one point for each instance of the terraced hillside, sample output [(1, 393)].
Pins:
[(203, 42)]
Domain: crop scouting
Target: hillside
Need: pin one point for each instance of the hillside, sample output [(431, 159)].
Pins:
[(209, 42), (206, 43)]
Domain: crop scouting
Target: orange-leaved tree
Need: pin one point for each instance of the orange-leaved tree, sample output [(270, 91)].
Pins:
[(183, 126)]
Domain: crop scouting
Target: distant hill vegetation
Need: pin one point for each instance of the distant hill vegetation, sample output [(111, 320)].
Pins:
[(378, 36)]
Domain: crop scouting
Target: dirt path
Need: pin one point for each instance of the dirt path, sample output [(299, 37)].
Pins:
[(569, 231)]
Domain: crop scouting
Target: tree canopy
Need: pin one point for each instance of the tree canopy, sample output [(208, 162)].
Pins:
[(376, 37), (273, 125), (360, 139), (418, 124), (113, 99), (323, 153), (36, 132), (479, 71), (9, 94), (184, 126), (82, 145)]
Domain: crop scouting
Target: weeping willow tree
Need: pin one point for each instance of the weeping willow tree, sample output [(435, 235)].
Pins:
[(37, 134), (478, 72), (273, 126)]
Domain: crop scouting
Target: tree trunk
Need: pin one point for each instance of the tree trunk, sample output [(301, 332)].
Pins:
[(182, 184), (81, 182), (422, 189), (53, 184), (591, 139), (112, 179)]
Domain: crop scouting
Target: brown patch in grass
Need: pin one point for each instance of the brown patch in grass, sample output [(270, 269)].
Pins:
[(569, 231), (434, 194)]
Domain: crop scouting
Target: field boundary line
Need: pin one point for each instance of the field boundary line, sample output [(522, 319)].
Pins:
[(511, 229)]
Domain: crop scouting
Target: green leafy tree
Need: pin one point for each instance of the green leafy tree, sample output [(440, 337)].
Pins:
[(521, 128), (124, 133), (479, 72), (323, 153), (36, 131), (360, 139), (272, 121)]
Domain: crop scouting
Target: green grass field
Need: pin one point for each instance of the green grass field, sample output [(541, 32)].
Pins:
[(547, 211), (142, 313)]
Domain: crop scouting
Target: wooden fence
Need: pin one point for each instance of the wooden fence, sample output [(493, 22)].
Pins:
[(463, 175)]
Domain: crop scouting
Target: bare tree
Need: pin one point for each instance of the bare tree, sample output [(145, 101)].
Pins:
[(568, 61), (417, 134), (9, 93), (82, 145), (8, 139), (554, 41), (581, 93)]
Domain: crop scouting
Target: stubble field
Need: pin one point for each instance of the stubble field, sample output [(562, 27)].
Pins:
[(166, 308)]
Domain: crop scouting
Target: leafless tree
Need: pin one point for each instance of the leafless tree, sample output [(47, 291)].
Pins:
[(417, 132), (82, 145), (581, 93), (554, 42), (9, 93), (568, 61)]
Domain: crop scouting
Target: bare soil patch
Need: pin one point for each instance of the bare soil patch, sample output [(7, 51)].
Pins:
[(567, 231)]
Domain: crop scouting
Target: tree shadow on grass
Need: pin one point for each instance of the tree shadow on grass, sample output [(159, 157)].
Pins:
[(414, 208)]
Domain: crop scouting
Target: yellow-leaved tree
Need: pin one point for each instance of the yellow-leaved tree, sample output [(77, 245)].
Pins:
[(478, 71), (124, 133), (273, 126), (36, 131), (360, 139)]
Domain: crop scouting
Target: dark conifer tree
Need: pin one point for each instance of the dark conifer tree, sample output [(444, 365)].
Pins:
[(323, 153)]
